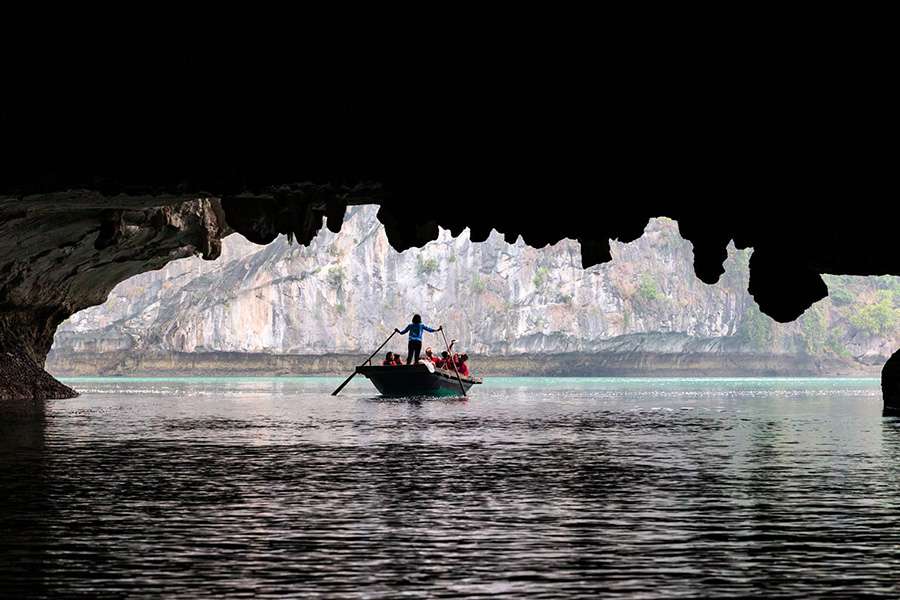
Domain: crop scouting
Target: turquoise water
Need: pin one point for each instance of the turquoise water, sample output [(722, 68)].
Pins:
[(532, 487)]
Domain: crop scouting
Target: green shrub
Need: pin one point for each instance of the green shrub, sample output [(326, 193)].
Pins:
[(836, 345), (878, 318), (887, 282), (541, 276), (756, 328), (426, 266), (335, 276), (814, 326), (737, 269), (840, 296), (647, 289)]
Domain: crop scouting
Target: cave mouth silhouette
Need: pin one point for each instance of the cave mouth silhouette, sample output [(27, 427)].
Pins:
[(65, 251), (101, 182)]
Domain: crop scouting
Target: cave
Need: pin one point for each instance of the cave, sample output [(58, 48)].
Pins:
[(66, 251), (86, 202)]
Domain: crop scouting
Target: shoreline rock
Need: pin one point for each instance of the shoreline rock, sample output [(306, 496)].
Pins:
[(608, 364)]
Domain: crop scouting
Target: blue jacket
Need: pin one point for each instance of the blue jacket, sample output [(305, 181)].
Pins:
[(415, 331)]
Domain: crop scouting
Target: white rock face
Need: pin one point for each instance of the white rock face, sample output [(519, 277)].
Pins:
[(346, 293)]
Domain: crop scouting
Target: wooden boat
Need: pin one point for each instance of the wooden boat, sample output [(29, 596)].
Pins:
[(416, 380)]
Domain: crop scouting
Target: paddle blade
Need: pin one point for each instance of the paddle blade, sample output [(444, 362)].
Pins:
[(340, 387)]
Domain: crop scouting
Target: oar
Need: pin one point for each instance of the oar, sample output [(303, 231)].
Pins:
[(346, 381), (453, 364)]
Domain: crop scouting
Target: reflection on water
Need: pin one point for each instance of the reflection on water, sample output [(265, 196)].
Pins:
[(540, 487)]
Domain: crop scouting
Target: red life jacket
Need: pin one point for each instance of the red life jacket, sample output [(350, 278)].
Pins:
[(463, 369)]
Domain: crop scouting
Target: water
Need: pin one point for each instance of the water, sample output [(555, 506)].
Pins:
[(533, 487)]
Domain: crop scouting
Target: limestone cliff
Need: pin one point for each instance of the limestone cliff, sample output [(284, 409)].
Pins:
[(345, 292)]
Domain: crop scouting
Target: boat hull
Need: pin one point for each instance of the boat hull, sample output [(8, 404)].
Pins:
[(415, 380)]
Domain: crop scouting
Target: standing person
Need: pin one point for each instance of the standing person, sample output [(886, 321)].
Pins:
[(416, 330)]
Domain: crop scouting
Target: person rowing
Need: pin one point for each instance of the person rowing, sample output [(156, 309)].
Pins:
[(416, 330)]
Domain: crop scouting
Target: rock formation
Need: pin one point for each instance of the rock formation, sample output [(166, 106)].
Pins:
[(890, 384), (62, 253), (344, 293)]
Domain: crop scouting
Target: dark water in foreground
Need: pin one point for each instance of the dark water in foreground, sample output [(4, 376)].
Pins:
[(533, 487)]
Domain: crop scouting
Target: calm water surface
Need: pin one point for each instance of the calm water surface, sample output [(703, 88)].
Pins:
[(532, 487)]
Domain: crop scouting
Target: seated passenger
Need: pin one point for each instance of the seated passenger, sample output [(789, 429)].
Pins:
[(398, 360), (429, 355), (463, 367), (388, 360), (444, 361)]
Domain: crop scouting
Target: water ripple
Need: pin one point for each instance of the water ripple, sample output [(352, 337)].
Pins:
[(255, 489)]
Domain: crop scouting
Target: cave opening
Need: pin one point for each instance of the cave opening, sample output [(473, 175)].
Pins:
[(318, 308), (66, 253)]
